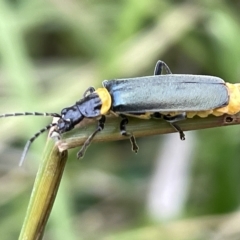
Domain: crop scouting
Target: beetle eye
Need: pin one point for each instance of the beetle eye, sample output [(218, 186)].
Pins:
[(63, 112)]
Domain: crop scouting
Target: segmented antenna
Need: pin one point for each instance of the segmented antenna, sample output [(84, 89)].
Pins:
[(29, 114), (30, 141)]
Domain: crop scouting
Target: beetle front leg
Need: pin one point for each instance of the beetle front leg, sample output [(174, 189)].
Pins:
[(88, 91), (100, 127), (131, 137)]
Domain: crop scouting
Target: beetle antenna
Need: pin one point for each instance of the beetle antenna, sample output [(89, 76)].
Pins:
[(30, 141), (29, 114)]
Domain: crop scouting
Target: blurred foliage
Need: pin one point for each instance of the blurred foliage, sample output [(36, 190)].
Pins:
[(51, 51)]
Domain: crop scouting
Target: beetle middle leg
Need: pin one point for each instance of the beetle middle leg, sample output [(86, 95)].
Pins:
[(99, 128), (124, 132)]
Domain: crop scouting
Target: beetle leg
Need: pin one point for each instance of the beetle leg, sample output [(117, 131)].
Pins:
[(100, 127), (178, 129), (131, 137), (159, 67), (89, 91), (176, 118)]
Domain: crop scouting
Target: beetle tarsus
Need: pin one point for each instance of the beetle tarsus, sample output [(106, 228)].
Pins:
[(131, 137), (178, 129), (135, 147)]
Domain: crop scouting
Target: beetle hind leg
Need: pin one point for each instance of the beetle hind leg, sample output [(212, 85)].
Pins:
[(131, 137), (159, 67)]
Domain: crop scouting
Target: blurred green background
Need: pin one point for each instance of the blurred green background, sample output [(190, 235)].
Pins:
[(51, 51)]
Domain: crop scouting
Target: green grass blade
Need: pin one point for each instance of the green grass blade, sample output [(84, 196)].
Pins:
[(44, 192)]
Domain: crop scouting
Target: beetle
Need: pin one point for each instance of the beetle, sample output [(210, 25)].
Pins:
[(171, 97)]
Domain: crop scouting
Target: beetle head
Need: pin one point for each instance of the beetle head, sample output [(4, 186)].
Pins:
[(69, 118)]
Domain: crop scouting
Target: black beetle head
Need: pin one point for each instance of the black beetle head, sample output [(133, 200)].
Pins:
[(69, 118)]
